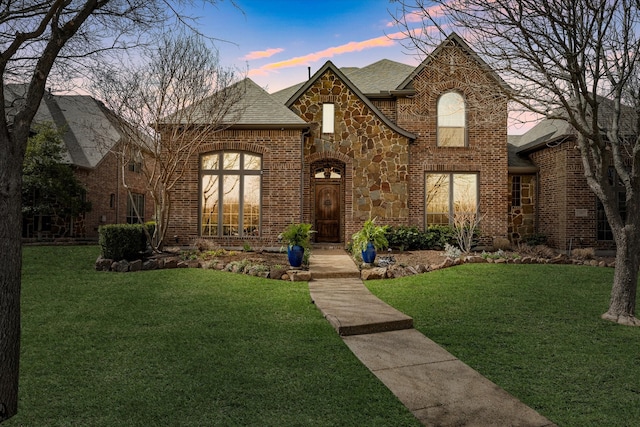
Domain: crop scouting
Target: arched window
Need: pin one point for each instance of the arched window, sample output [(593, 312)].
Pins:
[(328, 172), (230, 183), (452, 120)]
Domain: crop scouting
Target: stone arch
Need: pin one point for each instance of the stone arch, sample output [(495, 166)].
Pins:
[(345, 164)]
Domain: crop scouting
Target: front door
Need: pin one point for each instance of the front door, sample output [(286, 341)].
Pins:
[(327, 212)]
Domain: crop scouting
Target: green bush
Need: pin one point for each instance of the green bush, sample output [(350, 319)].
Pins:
[(122, 241), (411, 238), (535, 239), (405, 237)]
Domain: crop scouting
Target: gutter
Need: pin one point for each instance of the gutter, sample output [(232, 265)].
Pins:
[(306, 132)]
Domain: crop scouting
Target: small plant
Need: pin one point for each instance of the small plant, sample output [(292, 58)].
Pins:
[(451, 251), (297, 234), (583, 253), (370, 233), (535, 239), (246, 247), (466, 225)]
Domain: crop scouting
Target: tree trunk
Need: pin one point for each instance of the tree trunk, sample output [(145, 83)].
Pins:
[(10, 274), (622, 305)]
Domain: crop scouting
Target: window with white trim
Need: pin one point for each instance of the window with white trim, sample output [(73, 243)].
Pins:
[(328, 118)]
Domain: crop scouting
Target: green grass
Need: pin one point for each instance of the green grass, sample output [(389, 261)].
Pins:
[(183, 348), (536, 331)]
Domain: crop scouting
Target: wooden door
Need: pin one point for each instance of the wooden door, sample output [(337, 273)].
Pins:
[(327, 212)]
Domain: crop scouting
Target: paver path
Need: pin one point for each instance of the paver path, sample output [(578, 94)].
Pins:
[(435, 386)]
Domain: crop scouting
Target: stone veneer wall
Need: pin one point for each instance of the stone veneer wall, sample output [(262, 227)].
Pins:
[(376, 157), (486, 152), (522, 218), (567, 207), (281, 196)]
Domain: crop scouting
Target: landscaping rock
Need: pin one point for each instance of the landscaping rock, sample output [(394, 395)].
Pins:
[(373, 273), (150, 264), (474, 259), (135, 265), (277, 273), (120, 266), (170, 263), (299, 275), (103, 264)]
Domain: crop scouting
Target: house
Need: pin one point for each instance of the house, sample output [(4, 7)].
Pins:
[(91, 136), (549, 193), (406, 145)]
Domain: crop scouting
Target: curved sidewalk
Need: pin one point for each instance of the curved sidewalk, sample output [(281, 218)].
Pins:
[(435, 386)]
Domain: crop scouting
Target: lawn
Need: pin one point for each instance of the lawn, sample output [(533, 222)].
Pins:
[(183, 347), (536, 331)]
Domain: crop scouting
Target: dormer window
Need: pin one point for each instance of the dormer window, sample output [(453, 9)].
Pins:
[(328, 118), (452, 120)]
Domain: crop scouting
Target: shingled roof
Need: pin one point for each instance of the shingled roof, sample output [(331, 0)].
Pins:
[(379, 77), (329, 66), (258, 108), (255, 109), (89, 133)]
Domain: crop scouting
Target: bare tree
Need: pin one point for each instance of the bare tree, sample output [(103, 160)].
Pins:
[(168, 102), (575, 60), (39, 39)]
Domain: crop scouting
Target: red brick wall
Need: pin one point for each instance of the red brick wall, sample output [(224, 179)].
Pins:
[(281, 173), (102, 181), (567, 207), (486, 152)]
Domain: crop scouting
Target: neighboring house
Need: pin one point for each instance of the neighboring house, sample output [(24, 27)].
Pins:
[(91, 134), (564, 208), (406, 145)]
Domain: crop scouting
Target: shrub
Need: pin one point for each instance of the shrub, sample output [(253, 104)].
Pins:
[(583, 253), (440, 236), (535, 239), (451, 251), (122, 241), (501, 243), (405, 238), (411, 238)]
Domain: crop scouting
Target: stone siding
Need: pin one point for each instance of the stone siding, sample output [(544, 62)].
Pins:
[(522, 217), (376, 157)]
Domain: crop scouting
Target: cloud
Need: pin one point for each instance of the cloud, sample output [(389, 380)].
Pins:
[(419, 15), (383, 41), (258, 54)]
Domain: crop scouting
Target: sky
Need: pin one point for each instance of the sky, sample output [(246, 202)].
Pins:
[(276, 40)]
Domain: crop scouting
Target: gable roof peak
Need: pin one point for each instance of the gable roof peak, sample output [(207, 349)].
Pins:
[(453, 38), (330, 66)]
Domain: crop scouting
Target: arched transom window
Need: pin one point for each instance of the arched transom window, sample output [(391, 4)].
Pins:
[(230, 183), (452, 120)]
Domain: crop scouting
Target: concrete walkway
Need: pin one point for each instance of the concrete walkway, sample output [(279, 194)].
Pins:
[(434, 385)]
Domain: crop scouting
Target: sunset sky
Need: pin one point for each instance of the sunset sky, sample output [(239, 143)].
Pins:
[(277, 40), (274, 41)]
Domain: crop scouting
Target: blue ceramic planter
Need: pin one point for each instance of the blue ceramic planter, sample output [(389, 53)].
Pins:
[(295, 255), (369, 254)]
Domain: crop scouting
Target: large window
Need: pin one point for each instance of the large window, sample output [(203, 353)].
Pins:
[(230, 188), (135, 202), (452, 118), (448, 194)]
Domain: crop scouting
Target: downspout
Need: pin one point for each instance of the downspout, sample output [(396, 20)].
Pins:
[(304, 134)]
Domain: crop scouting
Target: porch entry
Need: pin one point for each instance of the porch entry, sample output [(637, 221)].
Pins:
[(328, 206)]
